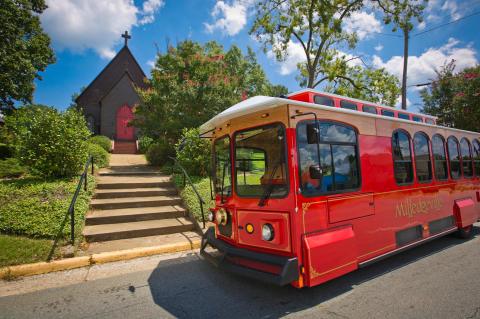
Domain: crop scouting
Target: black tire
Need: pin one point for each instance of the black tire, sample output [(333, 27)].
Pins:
[(465, 232)]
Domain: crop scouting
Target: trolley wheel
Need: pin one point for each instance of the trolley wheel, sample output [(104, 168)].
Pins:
[(465, 232)]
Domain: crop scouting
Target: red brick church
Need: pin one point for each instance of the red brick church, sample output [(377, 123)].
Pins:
[(108, 101)]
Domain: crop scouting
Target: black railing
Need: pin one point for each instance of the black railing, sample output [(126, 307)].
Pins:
[(71, 209), (186, 177)]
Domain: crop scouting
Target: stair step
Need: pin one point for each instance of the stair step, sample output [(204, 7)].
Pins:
[(188, 237), (137, 229), (134, 192), (118, 182), (114, 203), (112, 216), (132, 173)]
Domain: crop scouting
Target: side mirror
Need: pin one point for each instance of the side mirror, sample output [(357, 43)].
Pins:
[(312, 133), (315, 172)]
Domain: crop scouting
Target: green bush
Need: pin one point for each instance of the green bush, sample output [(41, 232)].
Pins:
[(144, 143), (159, 152), (51, 143), (10, 167), (100, 156), (5, 151), (102, 141), (36, 207), (193, 152)]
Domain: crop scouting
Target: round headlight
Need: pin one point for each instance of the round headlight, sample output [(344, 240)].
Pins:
[(221, 217), (210, 217), (267, 232)]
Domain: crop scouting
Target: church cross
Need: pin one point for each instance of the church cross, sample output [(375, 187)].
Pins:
[(126, 36)]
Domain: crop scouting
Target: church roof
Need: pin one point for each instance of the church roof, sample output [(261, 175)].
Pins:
[(123, 62)]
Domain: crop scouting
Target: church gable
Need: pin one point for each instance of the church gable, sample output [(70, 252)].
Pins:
[(122, 63)]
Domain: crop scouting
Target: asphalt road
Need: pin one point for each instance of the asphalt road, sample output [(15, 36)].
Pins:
[(440, 279)]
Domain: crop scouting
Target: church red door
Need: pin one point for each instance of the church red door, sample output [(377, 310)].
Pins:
[(124, 116)]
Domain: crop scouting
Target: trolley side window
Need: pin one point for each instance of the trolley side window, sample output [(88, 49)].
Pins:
[(439, 157), (454, 157), (323, 100), (416, 119), (402, 157), (423, 164), (369, 109), (476, 156), (466, 158), (348, 105), (335, 146), (388, 113), (403, 116)]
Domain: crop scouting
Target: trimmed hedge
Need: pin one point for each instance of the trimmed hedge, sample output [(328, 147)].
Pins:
[(159, 152), (5, 151), (10, 167), (144, 142), (36, 207), (100, 156), (102, 141)]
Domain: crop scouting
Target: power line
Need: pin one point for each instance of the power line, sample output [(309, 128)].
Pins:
[(447, 23)]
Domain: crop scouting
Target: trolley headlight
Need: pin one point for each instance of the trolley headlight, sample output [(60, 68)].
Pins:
[(221, 217), (267, 232)]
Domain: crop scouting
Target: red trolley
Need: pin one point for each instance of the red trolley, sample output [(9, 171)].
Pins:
[(314, 185)]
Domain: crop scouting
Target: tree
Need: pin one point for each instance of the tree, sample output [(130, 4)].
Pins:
[(375, 85), (51, 143), (401, 13), (24, 50), (191, 83), (316, 26), (454, 98)]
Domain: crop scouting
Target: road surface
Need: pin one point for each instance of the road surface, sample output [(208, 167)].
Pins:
[(440, 279)]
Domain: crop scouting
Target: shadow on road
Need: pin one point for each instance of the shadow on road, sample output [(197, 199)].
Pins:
[(192, 288)]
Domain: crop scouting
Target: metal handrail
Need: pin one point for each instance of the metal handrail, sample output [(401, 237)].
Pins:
[(71, 209), (187, 177)]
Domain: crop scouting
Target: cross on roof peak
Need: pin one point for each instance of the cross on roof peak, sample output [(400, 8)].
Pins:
[(126, 36)]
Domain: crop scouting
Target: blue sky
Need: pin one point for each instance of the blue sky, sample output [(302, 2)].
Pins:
[(86, 34)]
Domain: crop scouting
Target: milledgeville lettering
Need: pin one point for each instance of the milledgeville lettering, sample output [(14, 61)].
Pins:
[(410, 208)]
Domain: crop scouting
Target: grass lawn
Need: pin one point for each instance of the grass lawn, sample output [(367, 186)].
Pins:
[(15, 250), (31, 212)]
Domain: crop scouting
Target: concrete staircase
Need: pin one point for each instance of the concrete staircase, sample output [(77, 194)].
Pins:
[(135, 206), (124, 147)]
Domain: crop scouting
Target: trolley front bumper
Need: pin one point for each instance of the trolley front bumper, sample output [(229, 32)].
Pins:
[(287, 267)]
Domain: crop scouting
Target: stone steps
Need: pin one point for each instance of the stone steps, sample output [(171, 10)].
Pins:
[(135, 206), (134, 192), (134, 202), (124, 147), (137, 229), (113, 216)]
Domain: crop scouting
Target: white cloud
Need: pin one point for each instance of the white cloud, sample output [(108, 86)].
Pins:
[(150, 64), (364, 24), (229, 18), (379, 47), (149, 8), (422, 68), (452, 8), (398, 102), (294, 55), (94, 24), (421, 25)]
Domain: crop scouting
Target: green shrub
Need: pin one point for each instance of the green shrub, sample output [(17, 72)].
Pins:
[(100, 156), (193, 152), (5, 151), (102, 141), (51, 143), (10, 167), (158, 153), (36, 207), (144, 143)]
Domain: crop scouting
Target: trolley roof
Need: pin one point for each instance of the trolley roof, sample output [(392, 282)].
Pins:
[(264, 103)]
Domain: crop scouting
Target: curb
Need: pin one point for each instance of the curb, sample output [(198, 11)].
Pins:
[(93, 259)]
